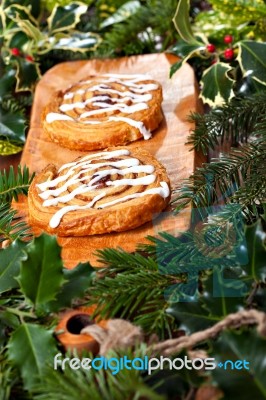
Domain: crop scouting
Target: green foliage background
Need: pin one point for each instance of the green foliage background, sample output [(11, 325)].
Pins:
[(177, 284)]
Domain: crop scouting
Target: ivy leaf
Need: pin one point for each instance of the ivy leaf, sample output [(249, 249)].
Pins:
[(256, 239), (12, 126), (252, 60), (65, 18), (244, 345), (124, 12), (27, 74), (41, 275), (30, 348), (77, 281), (10, 261), (81, 42), (182, 23), (217, 87)]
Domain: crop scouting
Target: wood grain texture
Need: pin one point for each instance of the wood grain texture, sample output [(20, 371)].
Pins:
[(168, 143)]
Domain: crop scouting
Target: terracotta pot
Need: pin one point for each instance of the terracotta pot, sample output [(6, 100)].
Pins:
[(69, 327)]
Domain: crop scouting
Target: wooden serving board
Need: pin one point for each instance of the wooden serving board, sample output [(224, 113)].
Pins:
[(168, 143)]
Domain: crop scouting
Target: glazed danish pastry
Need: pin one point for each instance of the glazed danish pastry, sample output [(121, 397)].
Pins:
[(104, 111), (113, 190)]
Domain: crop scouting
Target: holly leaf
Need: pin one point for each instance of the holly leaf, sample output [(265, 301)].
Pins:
[(10, 261), (182, 23), (191, 316), (19, 12), (8, 148), (66, 18), (223, 292), (81, 42), (256, 248), (41, 275), (7, 82), (123, 12), (30, 348), (26, 75), (252, 60), (182, 49), (217, 87), (12, 126), (77, 281), (240, 383), (193, 51)]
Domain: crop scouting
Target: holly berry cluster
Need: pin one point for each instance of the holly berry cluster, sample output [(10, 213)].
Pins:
[(17, 53), (228, 52)]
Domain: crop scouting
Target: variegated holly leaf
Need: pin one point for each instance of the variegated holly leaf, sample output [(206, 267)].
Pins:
[(27, 74), (217, 87), (124, 12), (66, 18), (9, 148), (187, 51), (182, 23), (77, 42), (18, 12), (252, 60), (2, 21)]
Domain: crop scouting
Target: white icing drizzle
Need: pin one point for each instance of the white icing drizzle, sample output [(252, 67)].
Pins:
[(109, 107), (51, 117), (52, 194), (135, 77), (145, 180), (56, 218), (137, 95), (146, 133), (163, 191)]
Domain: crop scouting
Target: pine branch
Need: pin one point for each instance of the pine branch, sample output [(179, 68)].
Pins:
[(97, 384), (11, 227), (11, 184), (218, 181), (234, 122), (132, 287)]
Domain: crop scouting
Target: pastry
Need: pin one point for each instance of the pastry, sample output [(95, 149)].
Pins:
[(104, 111), (114, 190)]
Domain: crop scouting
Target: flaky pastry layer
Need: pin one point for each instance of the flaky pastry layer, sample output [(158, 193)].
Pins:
[(111, 191), (104, 111)]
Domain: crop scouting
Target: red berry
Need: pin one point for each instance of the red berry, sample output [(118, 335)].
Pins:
[(211, 48), (228, 39), (15, 52), (229, 54), (29, 58)]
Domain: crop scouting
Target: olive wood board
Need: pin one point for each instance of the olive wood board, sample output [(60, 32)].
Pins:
[(168, 143)]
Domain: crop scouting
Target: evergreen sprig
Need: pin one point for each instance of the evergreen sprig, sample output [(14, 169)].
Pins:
[(13, 184), (221, 180), (97, 384), (132, 287), (11, 226), (235, 122)]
